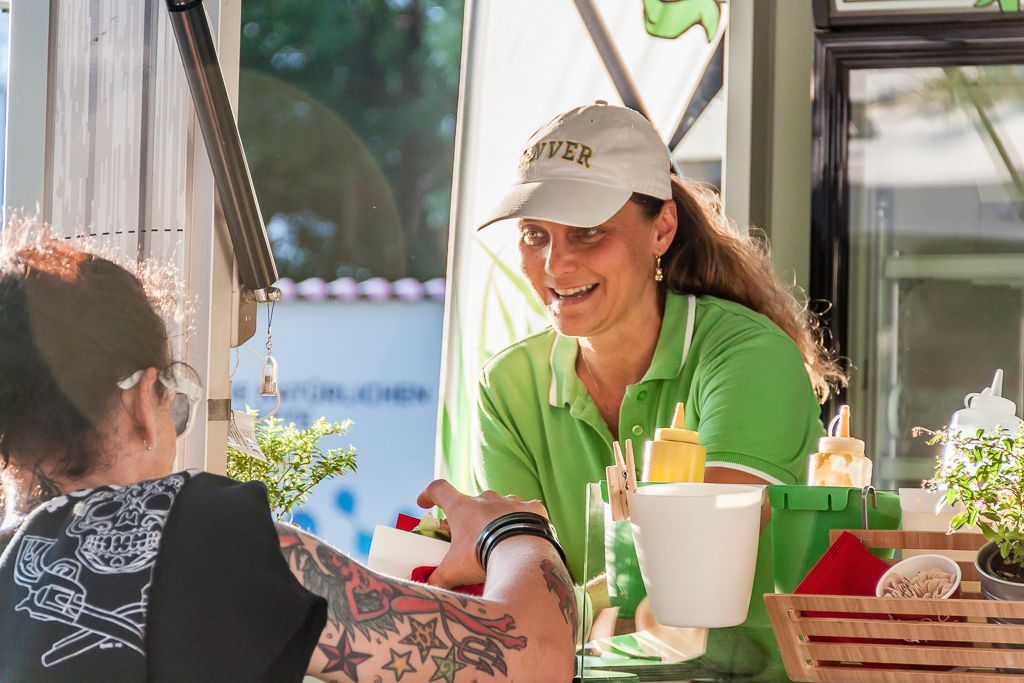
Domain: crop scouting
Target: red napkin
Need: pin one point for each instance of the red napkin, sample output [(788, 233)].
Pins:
[(846, 568), (422, 574), (406, 523)]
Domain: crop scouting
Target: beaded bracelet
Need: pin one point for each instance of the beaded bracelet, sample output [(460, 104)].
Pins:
[(514, 524)]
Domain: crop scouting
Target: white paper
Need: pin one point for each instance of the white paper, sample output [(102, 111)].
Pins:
[(242, 435)]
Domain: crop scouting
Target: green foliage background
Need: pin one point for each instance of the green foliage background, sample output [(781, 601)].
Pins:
[(347, 113), (295, 463), (986, 477)]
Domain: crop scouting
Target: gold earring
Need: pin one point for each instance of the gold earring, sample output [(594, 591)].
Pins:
[(659, 274)]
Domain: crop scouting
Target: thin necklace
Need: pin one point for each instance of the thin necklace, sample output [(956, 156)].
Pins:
[(598, 398)]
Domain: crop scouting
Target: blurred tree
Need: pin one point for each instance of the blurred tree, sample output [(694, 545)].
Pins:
[(347, 113)]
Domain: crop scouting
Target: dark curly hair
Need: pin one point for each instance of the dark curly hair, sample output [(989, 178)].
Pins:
[(72, 324)]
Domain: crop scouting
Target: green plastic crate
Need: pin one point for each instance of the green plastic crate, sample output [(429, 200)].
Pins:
[(802, 517)]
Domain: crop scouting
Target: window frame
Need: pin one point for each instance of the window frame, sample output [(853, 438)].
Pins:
[(836, 54)]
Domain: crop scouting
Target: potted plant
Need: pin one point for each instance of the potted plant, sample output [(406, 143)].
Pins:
[(987, 478), (294, 461)]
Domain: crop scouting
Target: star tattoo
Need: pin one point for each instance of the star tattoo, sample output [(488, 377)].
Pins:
[(424, 637), (382, 611), (342, 658), (447, 667), (400, 664)]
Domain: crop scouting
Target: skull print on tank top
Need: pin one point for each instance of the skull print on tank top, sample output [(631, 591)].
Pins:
[(75, 581)]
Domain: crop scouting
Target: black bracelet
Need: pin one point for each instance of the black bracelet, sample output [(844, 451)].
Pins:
[(483, 540), (515, 524), (505, 532)]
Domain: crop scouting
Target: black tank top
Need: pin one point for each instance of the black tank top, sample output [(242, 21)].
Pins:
[(173, 579)]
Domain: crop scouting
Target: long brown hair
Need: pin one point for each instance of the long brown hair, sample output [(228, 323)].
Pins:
[(709, 255)]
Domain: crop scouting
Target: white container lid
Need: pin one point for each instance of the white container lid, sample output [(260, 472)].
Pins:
[(991, 398)]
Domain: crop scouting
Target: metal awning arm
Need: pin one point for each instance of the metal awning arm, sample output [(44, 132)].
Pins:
[(256, 267)]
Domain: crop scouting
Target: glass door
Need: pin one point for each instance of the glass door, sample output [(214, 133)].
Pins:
[(925, 230)]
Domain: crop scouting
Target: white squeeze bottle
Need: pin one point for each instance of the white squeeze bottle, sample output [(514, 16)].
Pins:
[(986, 411)]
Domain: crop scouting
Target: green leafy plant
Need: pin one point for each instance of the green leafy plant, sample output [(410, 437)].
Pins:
[(295, 461), (986, 476)]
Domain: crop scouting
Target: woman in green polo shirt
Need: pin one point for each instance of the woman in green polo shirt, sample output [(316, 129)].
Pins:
[(653, 299)]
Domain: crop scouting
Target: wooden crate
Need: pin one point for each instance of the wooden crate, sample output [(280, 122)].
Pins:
[(968, 648)]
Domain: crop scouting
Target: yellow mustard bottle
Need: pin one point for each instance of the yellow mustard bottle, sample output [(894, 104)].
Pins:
[(674, 454), (840, 460)]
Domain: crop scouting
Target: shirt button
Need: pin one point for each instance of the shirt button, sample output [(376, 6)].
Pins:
[(642, 395), (637, 430)]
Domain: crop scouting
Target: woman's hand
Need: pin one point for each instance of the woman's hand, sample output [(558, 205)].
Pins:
[(467, 517)]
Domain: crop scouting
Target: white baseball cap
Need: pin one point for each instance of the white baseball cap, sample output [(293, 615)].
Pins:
[(583, 166)]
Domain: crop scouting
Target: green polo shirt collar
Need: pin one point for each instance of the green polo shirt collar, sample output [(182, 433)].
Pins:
[(565, 384), (669, 355)]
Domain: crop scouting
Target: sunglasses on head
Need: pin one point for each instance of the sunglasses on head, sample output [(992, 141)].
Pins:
[(183, 403)]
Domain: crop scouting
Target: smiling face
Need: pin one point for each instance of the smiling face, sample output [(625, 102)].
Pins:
[(595, 281)]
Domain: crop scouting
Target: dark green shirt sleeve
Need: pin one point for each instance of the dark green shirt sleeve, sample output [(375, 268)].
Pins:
[(757, 409)]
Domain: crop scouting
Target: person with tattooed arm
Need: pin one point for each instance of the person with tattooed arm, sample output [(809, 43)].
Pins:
[(115, 567), (516, 632)]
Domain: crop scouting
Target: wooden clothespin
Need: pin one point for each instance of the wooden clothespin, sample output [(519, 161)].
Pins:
[(621, 480)]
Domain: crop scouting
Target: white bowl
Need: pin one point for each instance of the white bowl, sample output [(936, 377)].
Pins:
[(910, 567)]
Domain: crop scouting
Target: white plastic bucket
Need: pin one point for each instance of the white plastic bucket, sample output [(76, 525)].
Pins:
[(697, 547), (925, 510)]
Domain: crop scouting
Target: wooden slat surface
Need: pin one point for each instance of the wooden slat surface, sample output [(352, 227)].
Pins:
[(967, 645), (1003, 609), (906, 653), (913, 540), (924, 631), (921, 540), (847, 674)]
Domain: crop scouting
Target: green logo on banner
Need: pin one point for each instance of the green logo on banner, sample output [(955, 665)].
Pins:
[(1004, 5), (673, 18)]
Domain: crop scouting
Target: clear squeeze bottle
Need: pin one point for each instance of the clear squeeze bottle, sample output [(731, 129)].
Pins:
[(674, 454), (840, 460)]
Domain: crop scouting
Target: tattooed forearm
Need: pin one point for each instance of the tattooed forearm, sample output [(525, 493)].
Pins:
[(399, 626), (559, 584)]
